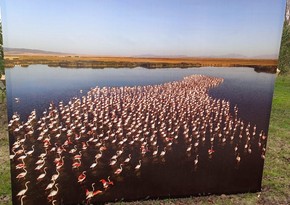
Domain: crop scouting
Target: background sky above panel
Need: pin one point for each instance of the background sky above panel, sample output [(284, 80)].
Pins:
[(211, 28)]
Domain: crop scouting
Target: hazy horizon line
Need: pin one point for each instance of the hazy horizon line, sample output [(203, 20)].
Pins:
[(148, 55)]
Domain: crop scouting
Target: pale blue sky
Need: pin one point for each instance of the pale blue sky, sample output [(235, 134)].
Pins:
[(142, 27)]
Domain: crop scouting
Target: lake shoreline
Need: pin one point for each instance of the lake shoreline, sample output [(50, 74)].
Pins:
[(260, 65)]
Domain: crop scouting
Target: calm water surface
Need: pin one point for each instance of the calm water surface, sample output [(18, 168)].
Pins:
[(38, 85)]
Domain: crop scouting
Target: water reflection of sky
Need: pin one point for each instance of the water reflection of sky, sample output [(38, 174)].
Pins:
[(38, 85)]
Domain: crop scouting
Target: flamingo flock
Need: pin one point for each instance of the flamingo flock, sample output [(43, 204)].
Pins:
[(121, 130)]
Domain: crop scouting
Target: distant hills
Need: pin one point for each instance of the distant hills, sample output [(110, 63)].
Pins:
[(160, 56), (234, 56), (25, 51), (237, 56)]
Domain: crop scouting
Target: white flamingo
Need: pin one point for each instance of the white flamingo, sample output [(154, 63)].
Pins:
[(53, 192), (40, 177), (23, 191)]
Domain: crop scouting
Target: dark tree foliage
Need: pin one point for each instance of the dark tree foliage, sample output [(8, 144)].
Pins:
[(284, 58)]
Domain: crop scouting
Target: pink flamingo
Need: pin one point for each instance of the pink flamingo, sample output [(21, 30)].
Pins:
[(211, 150), (22, 174), (60, 163), (90, 194), (105, 183), (20, 165), (97, 192), (78, 156), (82, 177), (118, 171), (77, 164)]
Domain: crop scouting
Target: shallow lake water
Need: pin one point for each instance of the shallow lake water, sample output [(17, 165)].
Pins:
[(38, 85), (174, 176)]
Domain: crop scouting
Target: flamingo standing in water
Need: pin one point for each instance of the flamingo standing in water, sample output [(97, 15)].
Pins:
[(82, 177), (90, 194), (238, 158), (22, 174), (105, 183), (236, 148), (99, 155), (73, 150), (59, 164), (20, 165), (119, 152), (128, 159), (118, 171), (22, 156), (113, 162), (196, 160), (138, 166), (55, 176), (94, 164), (249, 149), (40, 177), (76, 165), (263, 153), (31, 151), (210, 151), (50, 185), (53, 193), (12, 155), (40, 161), (23, 191), (78, 156), (155, 152), (189, 148), (163, 152), (40, 166)]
